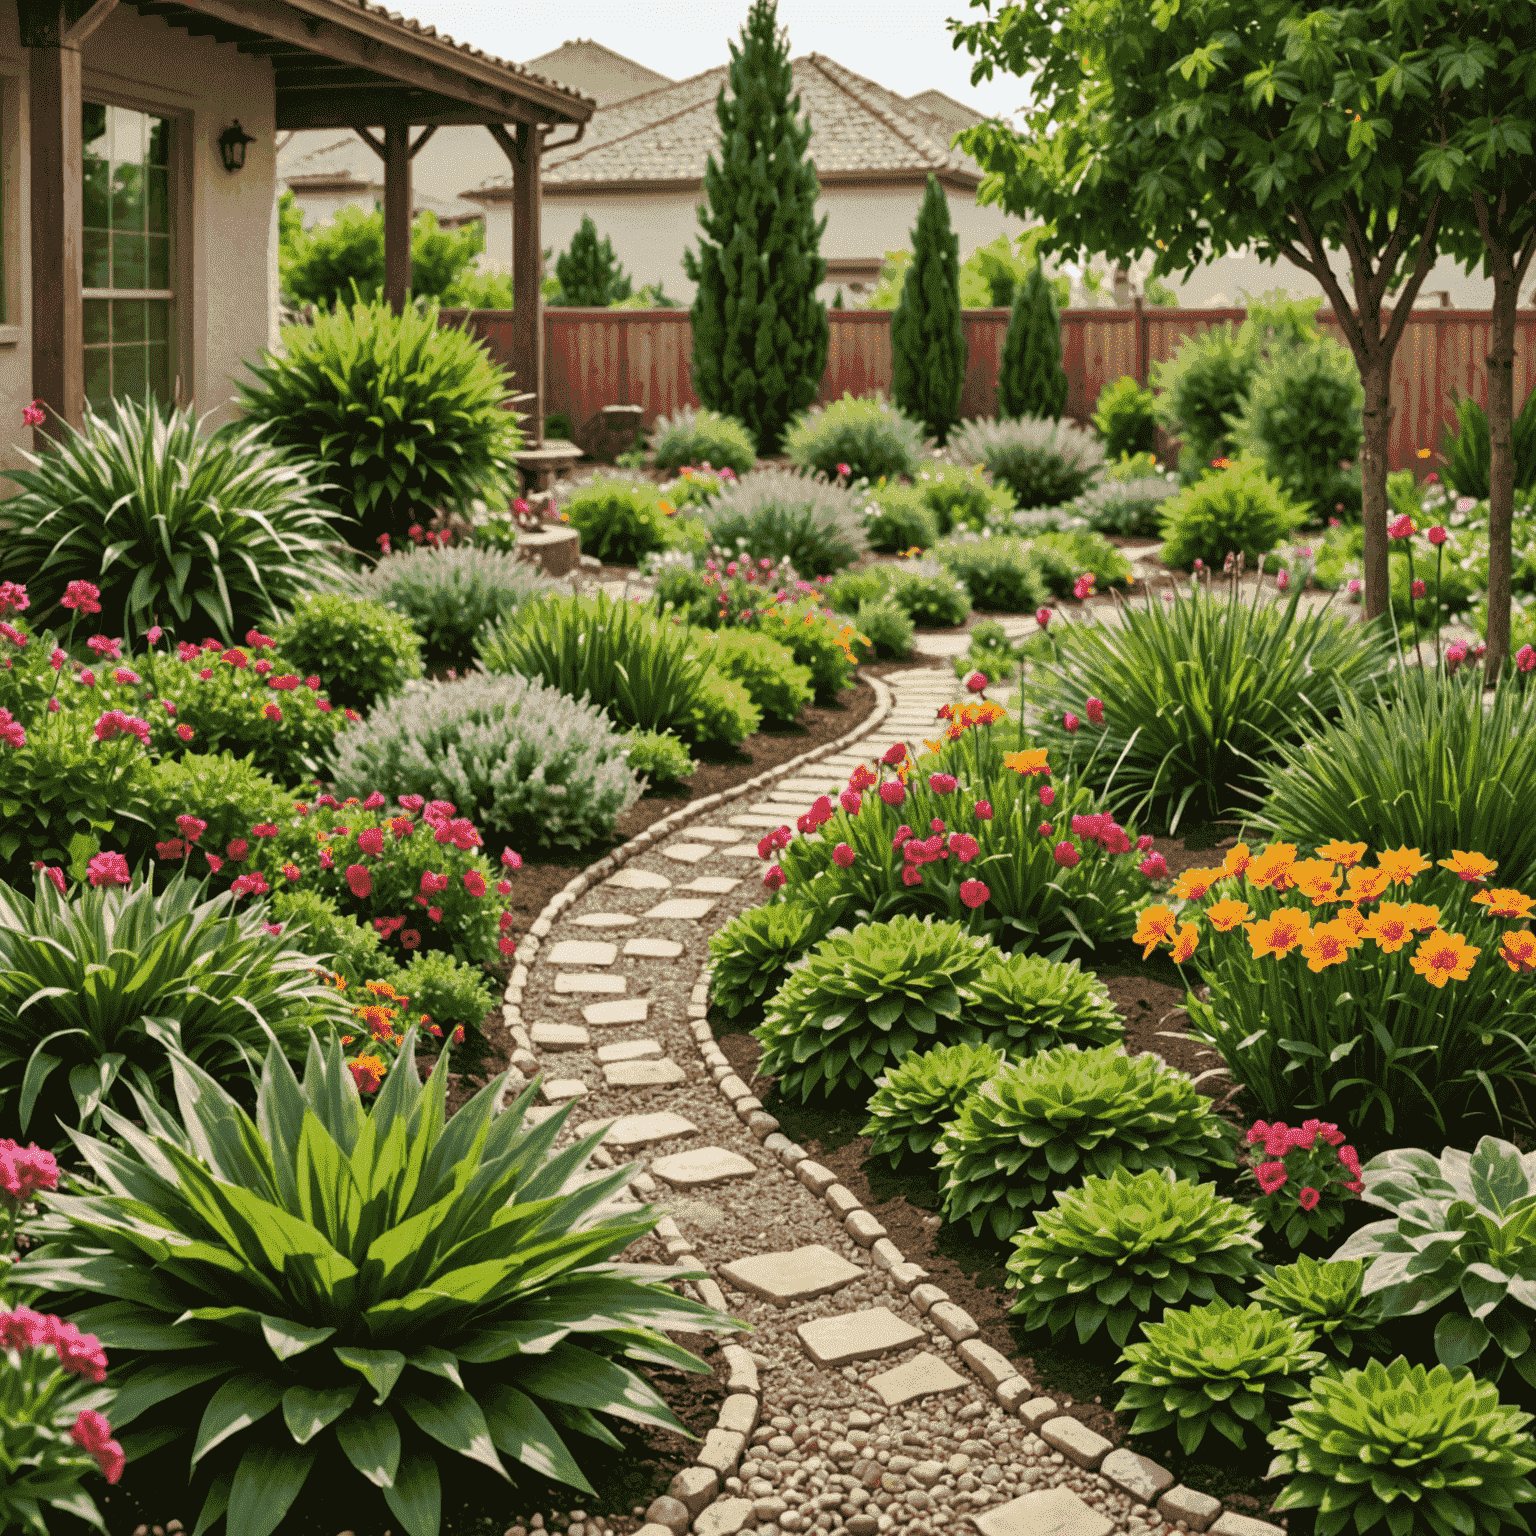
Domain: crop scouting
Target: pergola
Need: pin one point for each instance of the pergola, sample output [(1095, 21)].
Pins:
[(336, 64)]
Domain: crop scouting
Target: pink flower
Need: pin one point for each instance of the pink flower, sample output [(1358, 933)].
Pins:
[(256, 640), (942, 783), (252, 884), (93, 1434), (290, 873), (894, 754), (154, 634), (1257, 1132), (973, 893), (124, 676), (964, 846), (55, 876), (216, 863), (83, 596), (275, 929), (107, 869), (1437, 535), (269, 829), (1047, 795), (1455, 655), (1308, 1198), (105, 647), (844, 470), (1282, 579), (359, 881), (903, 832), (474, 882), (1082, 588), (976, 682), (173, 848), (1401, 527), (1042, 617), (511, 860), (1066, 855), (370, 841), (1154, 866), (237, 849), (1525, 658), (769, 844), (1144, 842), (1354, 586), (984, 810), (56, 659), (911, 875), (851, 801), (35, 415), (433, 884), (13, 597), (185, 732), (1046, 829), (11, 731), (1094, 709), (24, 1171), (842, 855), (774, 877), (894, 792), (1070, 721), (1417, 588), (272, 712), (1271, 1176), (115, 723)]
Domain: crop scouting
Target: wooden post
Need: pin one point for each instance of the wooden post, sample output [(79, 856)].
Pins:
[(1139, 353), (524, 153), (397, 214)]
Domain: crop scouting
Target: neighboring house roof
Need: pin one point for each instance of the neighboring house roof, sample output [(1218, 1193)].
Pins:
[(347, 165), (862, 134), (947, 109), (587, 66)]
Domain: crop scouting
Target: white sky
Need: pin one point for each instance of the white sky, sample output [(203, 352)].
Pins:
[(903, 45)]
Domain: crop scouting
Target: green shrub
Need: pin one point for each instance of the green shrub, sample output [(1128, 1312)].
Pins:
[(1024, 1004), (311, 1298), (1469, 454), (363, 650), (816, 525), (404, 415), (1124, 417), (98, 990), (778, 687), (619, 519), (863, 584), (1001, 574), (959, 495), (450, 595), (928, 349), (1431, 1452), (1048, 1121), (690, 438), (446, 991), (682, 591), (658, 756), (751, 955), (1240, 509), (1201, 391), (1044, 463), (870, 435), (1063, 557), (815, 640), (723, 714), (1030, 378), (695, 487), (901, 520), (1197, 693), (229, 793), (917, 1098), (865, 1000), (588, 273), (174, 528), (320, 928), (1117, 1250), (529, 761), (1328, 1299), (932, 599), (1130, 508), (887, 628), (1215, 1367)]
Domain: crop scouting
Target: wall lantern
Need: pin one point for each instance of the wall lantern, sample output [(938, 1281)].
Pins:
[(232, 144)]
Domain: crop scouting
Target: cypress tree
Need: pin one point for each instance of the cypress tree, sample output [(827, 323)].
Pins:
[(928, 348), (589, 273), (759, 332), (1031, 380)]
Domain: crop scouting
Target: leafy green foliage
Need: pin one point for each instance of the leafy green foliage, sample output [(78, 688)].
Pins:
[(403, 414), (1117, 1250), (1024, 1004), (815, 640), (887, 628), (1131, 508), (1468, 455), (1063, 557), (958, 495), (620, 519), (917, 1098), (174, 528), (1215, 1367), (928, 350), (1201, 392), (862, 1001), (1226, 511), (447, 991), (751, 955), (690, 437), (932, 599), (1197, 693), (723, 714), (874, 438), (364, 651), (98, 990), (1433, 1452), (901, 520), (1328, 1299), (451, 594), (1001, 573), (589, 273), (361, 1294), (351, 949), (658, 756), (1124, 417), (816, 525), (778, 687), (1044, 463), (1031, 380), (230, 793), (1047, 1121)]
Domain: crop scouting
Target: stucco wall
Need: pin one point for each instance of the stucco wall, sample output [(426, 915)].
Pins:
[(225, 224)]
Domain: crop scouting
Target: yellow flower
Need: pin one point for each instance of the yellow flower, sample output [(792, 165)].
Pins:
[(1365, 884), (1342, 853), (1470, 866), (1194, 883), (1316, 879), (1353, 917), (1402, 865), (1184, 943), (1329, 944), (1237, 860), (1505, 903), (1518, 951), (1444, 957), (1390, 925), (1030, 762), (1154, 925), (1423, 917), (1279, 933), (1269, 866), (1227, 915)]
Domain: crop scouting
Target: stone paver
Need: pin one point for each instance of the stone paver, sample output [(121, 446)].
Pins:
[(644, 1074), (798, 1275), (688, 853), (631, 1131), (630, 1050), (812, 787), (711, 835), (557, 1090), (589, 982), (1046, 1512), (1144, 1480), (606, 920), (654, 949), (742, 851), (701, 1166), (768, 822), (1074, 1439), (637, 880), (559, 1037), (687, 908), (857, 1336), (632, 1010), (583, 952), (922, 1376), (713, 885)]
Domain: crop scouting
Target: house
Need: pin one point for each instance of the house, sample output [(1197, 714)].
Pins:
[(345, 173), (586, 66), (138, 178)]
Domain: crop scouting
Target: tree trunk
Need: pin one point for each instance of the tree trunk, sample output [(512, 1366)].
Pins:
[(1501, 467), (1376, 377)]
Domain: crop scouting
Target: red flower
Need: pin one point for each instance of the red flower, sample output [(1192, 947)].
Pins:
[(11, 730), (861, 778), (774, 878), (894, 754), (1094, 709), (1437, 535), (964, 846), (1417, 588), (373, 802), (893, 793), (474, 882), (264, 829), (511, 860), (116, 723), (1047, 795), (82, 596), (290, 872), (359, 881), (1154, 866), (371, 841), (842, 855), (1308, 1198), (1070, 721), (984, 810), (1066, 855), (172, 848), (973, 893), (1401, 527), (237, 849), (13, 597), (1042, 617), (507, 946), (256, 640), (410, 939), (272, 712), (976, 682), (851, 801), (56, 876), (911, 875), (1525, 658), (215, 863), (108, 869), (35, 415), (942, 783), (235, 657)]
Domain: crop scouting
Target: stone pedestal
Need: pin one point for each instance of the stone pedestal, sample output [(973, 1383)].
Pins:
[(558, 550)]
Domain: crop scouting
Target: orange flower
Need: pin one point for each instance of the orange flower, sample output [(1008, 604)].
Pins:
[(1423, 918), (1329, 944), (1184, 943), (1270, 864), (1401, 866), (1365, 884), (1194, 883), (1353, 918), (1342, 853), (1226, 915), (1505, 904), (1237, 859), (1315, 878), (934, 746), (1470, 866), (1444, 957), (1390, 925), (1518, 951), (1154, 925), (1031, 762), (1280, 932)]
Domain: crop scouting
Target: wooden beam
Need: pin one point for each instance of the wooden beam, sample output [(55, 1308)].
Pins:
[(426, 133), (376, 145), (89, 19), (527, 271), (317, 109), (397, 214)]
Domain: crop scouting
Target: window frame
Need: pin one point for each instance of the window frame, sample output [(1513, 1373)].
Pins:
[(14, 260)]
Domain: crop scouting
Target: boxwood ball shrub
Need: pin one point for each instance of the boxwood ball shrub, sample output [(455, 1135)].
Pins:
[(1064, 557), (1231, 1369), (691, 437), (887, 628), (620, 519), (287, 1345), (778, 687), (1327, 1297), (932, 599), (869, 434), (1427, 1452), (751, 955), (1239, 508), (403, 415), (1123, 417), (1115, 1251), (1001, 573), (900, 519), (658, 757), (1043, 463), (815, 524), (363, 650), (861, 1001), (1024, 1003), (917, 1098), (1046, 1122)]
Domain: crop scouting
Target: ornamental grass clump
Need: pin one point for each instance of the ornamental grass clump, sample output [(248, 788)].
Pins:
[(1329, 1299), (1218, 1367), (814, 522), (1428, 1452), (331, 1295), (691, 437), (1115, 1251), (1044, 463), (1024, 1004), (915, 1100), (861, 1001), (1042, 1124), (751, 955)]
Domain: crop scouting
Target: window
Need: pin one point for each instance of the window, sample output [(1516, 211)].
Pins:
[(129, 301)]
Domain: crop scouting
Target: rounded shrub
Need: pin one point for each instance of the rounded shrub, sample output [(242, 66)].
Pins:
[(1124, 418), (869, 435), (1328, 1298), (1063, 557), (916, 1099), (658, 756), (816, 525), (722, 714), (900, 520), (816, 640), (1001, 574), (363, 650), (229, 793), (751, 955), (1239, 508), (1132, 508), (1062, 1114), (778, 687), (887, 629), (931, 599), (1115, 1251), (863, 584), (446, 990), (1201, 390), (619, 519), (693, 437), (1043, 463), (863, 1000), (1024, 1004), (313, 924), (960, 495)]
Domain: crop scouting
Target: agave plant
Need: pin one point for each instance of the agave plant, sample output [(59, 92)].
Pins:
[(1025, 1003), (914, 1101), (99, 989), (1328, 1298), (1116, 1250), (752, 954), (1431, 1452), (344, 1294)]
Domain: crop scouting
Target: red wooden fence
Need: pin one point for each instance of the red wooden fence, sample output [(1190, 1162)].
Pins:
[(598, 357)]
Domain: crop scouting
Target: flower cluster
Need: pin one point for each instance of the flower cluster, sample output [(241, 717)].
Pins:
[(24, 1171), (79, 1354), (1306, 1177)]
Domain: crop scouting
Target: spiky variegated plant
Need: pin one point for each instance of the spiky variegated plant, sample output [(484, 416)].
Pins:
[(1025, 1003), (331, 1291), (916, 1099)]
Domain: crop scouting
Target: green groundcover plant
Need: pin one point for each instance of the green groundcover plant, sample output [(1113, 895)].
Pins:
[(1328, 1298), (346, 1294), (1001, 573), (751, 955), (363, 650), (1065, 558), (931, 598), (691, 438), (777, 685), (1025, 1003), (900, 520), (917, 1098), (958, 495), (816, 640)]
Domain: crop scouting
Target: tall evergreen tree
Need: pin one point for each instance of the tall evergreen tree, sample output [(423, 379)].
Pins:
[(928, 348), (759, 332), (1031, 380), (589, 273)]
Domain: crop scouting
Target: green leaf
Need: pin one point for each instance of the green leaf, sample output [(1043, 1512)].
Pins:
[(155, 1382), (307, 1410), (416, 1498), (370, 1437), (520, 1428), (239, 1403), (380, 1367), (1459, 1340), (453, 1418), (287, 1339), (267, 1482)]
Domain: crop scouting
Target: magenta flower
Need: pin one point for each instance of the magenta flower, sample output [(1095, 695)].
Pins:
[(1071, 722), (1271, 1176), (774, 877), (976, 682), (1308, 1198), (13, 597), (359, 881), (1082, 588), (1042, 617), (82, 596), (1525, 658), (983, 810), (842, 855), (1437, 535), (11, 731), (1154, 866), (911, 875), (942, 783), (1066, 855), (35, 415), (893, 793), (894, 754), (1047, 795), (973, 893), (1094, 709), (851, 801), (1417, 588), (107, 869), (1401, 527), (964, 846)]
